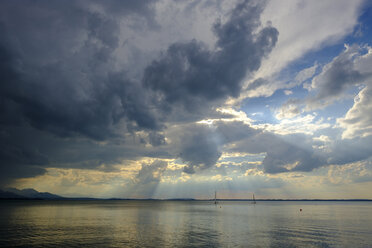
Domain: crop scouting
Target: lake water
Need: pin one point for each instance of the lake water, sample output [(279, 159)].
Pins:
[(184, 224)]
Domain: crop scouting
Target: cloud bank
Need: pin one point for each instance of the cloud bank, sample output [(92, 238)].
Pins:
[(61, 88), (160, 92)]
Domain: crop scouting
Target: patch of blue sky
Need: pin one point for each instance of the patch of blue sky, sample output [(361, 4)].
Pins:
[(339, 108), (321, 57), (261, 109), (298, 92), (289, 73), (363, 32)]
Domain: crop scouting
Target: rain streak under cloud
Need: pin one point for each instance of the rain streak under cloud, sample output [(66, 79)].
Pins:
[(171, 99)]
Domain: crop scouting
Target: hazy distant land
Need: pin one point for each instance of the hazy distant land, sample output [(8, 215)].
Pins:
[(31, 194)]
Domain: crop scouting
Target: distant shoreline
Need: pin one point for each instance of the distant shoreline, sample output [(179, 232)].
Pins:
[(31, 194), (181, 199)]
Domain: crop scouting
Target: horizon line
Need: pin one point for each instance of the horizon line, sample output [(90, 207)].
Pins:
[(196, 199)]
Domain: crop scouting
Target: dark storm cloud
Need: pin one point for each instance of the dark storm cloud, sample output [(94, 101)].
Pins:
[(26, 151), (63, 103), (156, 139), (55, 71), (199, 147), (57, 85), (284, 157), (188, 72), (118, 7)]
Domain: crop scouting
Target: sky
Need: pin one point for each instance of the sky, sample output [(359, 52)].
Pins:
[(179, 99)]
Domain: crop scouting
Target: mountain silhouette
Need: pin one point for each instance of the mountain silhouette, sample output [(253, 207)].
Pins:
[(13, 193)]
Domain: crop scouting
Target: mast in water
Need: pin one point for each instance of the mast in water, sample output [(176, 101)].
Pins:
[(254, 200), (215, 197)]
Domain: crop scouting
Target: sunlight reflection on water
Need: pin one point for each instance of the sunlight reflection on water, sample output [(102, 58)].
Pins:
[(184, 224)]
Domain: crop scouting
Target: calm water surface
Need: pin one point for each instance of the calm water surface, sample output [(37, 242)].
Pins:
[(184, 224)]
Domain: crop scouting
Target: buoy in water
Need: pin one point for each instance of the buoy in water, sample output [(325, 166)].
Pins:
[(300, 209)]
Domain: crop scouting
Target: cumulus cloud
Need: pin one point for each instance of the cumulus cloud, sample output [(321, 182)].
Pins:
[(288, 92), (202, 147), (199, 147), (345, 70), (66, 102), (358, 120), (148, 178), (356, 172), (295, 18), (289, 109), (305, 74), (268, 85), (350, 69), (282, 155), (190, 71)]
